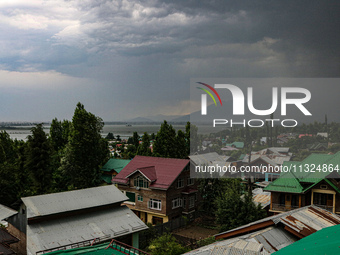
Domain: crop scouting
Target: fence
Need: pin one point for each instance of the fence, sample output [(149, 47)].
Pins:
[(77, 245), (146, 236)]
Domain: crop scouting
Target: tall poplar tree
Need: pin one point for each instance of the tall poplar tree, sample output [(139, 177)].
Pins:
[(86, 150), (38, 160)]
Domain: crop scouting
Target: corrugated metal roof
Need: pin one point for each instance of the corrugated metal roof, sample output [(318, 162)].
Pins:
[(261, 242), (6, 212), (111, 223), (276, 155), (72, 200), (303, 220), (261, 197), (206, 159)]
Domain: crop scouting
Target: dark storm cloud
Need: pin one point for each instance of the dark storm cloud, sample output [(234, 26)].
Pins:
[(131, 51)]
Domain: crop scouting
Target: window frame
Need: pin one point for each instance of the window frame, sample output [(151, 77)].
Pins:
[(181, 180), (190, 181), (152, 202), (177, 202), (191, 201), (140, 180)]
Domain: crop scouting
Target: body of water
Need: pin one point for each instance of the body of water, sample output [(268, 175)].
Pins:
[(123, 130)]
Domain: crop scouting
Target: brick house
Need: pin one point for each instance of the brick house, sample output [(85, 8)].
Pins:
[(159, 189), (307, 184)]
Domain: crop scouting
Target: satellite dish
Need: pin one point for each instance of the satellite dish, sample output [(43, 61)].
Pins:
[(137, 188)]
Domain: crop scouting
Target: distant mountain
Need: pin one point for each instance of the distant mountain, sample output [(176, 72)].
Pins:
[(161, 117), (140, 119), (184, 118)]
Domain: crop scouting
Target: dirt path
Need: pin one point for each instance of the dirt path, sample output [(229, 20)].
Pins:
[(196, 232)]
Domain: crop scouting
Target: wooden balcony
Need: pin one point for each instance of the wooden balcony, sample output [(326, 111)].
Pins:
[(282, 207)]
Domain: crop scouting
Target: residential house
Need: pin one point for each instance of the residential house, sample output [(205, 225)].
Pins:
[(159, 189), (112, 168), (315, 180), (7, 240), (272, 158), (211, 159), (271, 234), (317, 147), (75, 218)]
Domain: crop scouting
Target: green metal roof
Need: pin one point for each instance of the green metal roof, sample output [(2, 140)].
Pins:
[(99, 249), (115, 164), (242, 156), (292, 181), (106, 178), (238, 145), (286, 183), (324, 241)]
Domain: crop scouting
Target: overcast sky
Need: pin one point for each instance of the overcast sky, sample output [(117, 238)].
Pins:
[(124, 59)]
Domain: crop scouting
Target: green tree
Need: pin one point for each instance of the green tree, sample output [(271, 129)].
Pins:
[(59, 133), (8, 170), (38, 160), (166, 244), (135, 139), (211, 189), (165, 143), (110, 136), (192, 138), (144, 147), (86, 150), (236, 207)]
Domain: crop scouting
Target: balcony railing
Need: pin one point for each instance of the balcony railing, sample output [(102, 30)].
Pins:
[(283, 208), (325, 207), (126, 249)]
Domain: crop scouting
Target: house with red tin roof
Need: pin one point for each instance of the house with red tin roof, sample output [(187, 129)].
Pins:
[(159, 189)]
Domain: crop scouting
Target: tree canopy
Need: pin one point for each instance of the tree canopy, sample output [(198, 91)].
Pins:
[(86, 150)]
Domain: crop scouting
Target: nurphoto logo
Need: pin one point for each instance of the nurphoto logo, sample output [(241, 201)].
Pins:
[(238, 108)]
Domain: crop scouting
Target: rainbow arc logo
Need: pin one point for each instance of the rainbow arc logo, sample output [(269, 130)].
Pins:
[(204, 97)]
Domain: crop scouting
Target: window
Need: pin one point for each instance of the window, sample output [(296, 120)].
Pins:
[(180, 183), (184, 202), (190, 181), (323, 186), (155, 204), (131, 196), (141, 182), (191, 202), (177, 202), (140, 198)]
